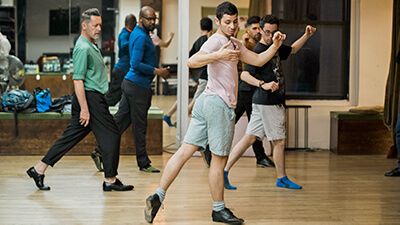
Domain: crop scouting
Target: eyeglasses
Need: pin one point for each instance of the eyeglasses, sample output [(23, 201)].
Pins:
[(150, 18), (268, 32)]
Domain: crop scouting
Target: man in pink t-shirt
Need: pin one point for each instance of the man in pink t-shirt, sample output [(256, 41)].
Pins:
[(213, 116)]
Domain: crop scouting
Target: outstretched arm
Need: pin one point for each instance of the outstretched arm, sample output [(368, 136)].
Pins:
[(259, 60), (165, 44), (298, 44)]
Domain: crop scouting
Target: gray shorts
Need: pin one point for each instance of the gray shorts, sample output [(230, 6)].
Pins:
[(267, 121), (200, 88), (213, 123)]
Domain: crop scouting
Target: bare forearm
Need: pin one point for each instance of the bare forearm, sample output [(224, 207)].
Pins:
[(80, 94), (248, 78), (200, 60), (262, 58), (298, 44), (165, 44)]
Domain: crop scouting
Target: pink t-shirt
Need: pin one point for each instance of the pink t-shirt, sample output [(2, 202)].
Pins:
[(222, 74)]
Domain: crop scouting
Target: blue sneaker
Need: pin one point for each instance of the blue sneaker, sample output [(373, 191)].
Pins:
[(227, 185), (167, 119), (284, 182)]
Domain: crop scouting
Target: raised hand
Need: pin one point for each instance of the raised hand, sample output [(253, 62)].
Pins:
[(278, 38), (310, 30)]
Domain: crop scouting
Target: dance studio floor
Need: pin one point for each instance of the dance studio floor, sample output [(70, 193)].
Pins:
[(340, 190)]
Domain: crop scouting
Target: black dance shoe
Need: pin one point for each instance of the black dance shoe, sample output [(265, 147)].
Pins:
[(116, 186), (38, 178), (226, 216)]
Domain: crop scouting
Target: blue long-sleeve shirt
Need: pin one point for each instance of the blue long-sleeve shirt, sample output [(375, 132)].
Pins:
[(123, 52), (143, 58)]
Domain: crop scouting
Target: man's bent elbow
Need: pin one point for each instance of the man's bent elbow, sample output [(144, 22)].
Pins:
[(191, 64)]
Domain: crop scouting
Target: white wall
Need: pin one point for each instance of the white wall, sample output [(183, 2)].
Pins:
[(375, 49), (37, 27), (125, 7), (170, 24)]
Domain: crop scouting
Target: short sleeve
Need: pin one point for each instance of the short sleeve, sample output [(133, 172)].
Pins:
[(251, 69), (284, 52), (211, 45), (79, 58)]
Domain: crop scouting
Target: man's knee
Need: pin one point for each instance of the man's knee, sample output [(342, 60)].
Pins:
[(187, 150), (250, 139), (279, 143)]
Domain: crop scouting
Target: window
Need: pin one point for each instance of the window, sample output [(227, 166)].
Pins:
[(320, 70), (60, 21)]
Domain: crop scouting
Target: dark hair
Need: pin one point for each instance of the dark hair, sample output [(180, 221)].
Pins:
[(226, 8), (88, 13), (269, 19), (252, 20), (206, 24), (130, 20)]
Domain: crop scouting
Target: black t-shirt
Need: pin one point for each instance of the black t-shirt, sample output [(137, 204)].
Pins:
[(202, 71), (245, 87), (271, 71)]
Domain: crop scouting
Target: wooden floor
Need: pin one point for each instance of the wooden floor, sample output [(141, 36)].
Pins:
[(340, 190)]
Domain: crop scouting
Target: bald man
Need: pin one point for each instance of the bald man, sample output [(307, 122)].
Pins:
[(136, 87)]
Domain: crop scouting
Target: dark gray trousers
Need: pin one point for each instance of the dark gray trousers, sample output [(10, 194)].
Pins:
[(104, 129), (133, 109)]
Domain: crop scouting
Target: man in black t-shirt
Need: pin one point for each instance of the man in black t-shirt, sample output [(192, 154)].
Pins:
[(245, 92), (268, 115)]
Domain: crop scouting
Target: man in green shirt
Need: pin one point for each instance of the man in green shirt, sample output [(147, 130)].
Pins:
[(89, 109)]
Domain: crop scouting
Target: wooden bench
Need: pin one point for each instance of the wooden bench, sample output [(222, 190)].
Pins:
[(38, 131), (359, 134)]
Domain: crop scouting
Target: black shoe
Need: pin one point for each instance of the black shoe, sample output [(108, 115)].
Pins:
[(149, 169), (226, 216), (153, 204), (206, 154), (267, 162), (116, 186), (38, 178), (98, 160), (393, 173)]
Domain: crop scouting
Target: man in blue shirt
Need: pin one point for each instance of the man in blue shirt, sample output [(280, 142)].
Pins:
[(122, 66), (136, 87)]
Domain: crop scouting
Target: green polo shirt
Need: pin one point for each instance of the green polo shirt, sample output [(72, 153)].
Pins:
[(89, 66)]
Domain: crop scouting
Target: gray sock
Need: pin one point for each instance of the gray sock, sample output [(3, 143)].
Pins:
[(218, 206), (161, 194)]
